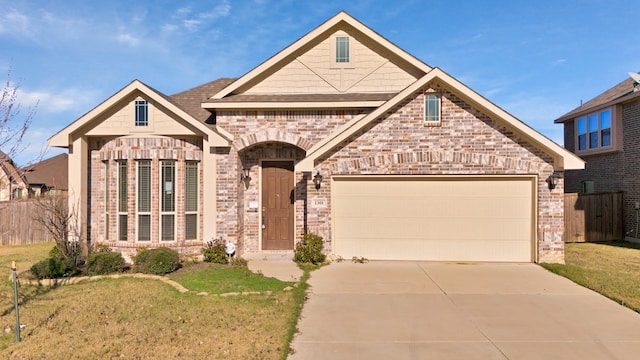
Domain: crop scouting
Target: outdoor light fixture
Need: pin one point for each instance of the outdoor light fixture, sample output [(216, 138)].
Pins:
[(552, 180), (244, 177), (317, 180)]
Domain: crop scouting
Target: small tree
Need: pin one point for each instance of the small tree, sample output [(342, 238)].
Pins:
[(13, 126), (53, 214)]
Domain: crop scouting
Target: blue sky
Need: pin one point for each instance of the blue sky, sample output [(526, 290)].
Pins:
[(535, 59)]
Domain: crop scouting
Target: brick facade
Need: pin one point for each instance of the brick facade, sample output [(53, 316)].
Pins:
[(399, 143), (104, 157), (613, 171)]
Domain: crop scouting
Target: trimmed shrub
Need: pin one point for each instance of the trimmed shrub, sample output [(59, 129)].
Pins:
[(157, 261), (55, 252), (238, 262), (214, 252), (53, 268), (102, 263), (100, 248), (309, 249)]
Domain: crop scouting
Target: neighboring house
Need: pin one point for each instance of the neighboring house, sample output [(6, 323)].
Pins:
[(48, 177), (342, 134), (13, 185), (603, 132)]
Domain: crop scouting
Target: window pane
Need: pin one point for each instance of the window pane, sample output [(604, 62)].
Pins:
[(191, 186), (593, 122), (168, 182), (605, 136), (191, 226), (582, 142), (141, 113), (144, 185), (122, 186), (593, 140), (122, 228), (582, 126), (144, 227), (432, 108), (168, 228), (605, 119), (342, 49)]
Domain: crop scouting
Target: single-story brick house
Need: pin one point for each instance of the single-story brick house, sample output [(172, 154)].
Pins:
[(602, 131), (342, 134)]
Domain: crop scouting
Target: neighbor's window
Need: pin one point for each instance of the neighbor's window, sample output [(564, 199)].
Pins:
[(142, 113), (191, 200), (122, 201), (167, 200), (342, 49), (432, 108), (144, 200), (594, 130)]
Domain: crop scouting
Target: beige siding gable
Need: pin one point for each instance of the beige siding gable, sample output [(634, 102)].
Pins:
[(315, 71), (121, 121)]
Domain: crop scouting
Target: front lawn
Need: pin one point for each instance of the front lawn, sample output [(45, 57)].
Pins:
[(132, 318), (610, 268)]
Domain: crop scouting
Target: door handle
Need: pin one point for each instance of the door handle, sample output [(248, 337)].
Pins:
[(264, 226)]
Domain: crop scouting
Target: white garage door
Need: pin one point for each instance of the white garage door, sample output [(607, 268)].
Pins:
[(433, 218)]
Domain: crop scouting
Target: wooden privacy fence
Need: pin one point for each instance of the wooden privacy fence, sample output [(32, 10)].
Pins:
[(593, 217), (17, 224)]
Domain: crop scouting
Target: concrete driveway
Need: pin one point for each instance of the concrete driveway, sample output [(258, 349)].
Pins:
[(422, 310)]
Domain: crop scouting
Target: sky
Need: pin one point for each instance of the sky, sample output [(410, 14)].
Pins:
[(535, 59)]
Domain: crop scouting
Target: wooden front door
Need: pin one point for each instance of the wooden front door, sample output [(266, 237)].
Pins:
[(278, 199)]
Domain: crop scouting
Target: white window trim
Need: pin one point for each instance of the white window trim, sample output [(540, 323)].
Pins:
[(137, 206), (150, 111), (424, 109), (195, 212), (161, 212), (334, 63), (119, 188)]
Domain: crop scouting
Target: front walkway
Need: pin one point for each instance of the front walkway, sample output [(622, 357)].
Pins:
[(411, 310)]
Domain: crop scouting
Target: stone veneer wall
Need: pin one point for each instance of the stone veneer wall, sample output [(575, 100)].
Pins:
[(131, 149)]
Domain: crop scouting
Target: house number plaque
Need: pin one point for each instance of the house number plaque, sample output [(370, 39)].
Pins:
[(319, 203)]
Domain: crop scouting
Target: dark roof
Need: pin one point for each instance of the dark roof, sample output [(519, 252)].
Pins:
[(305, 97), (191, 100), (617, 94), (51, 172)]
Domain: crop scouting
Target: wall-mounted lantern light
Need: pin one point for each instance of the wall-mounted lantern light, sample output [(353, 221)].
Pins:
[(552, 180), (244, 177), (317, 180)]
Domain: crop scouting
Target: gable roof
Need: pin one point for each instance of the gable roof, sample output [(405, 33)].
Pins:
[(622, 92), (563, 159), (51, 172), (64, 137), (342, 18), (9, 169)]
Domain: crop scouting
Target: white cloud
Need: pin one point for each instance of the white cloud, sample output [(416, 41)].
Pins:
[(15, 23), (191, 24), (57, 101), (128, 39)]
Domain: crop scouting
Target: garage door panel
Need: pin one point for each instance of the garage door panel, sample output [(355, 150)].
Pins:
[(426, 219)]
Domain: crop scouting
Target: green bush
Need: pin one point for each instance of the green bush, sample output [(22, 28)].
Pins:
[(55, 252), (100, 248), (238, 262), (214, 252), (309, 249), (102, 263), (53, 268), (157, 261)]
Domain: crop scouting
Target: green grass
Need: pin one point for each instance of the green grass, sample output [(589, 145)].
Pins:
[(220, 279), (611, 269), (135, 318)]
